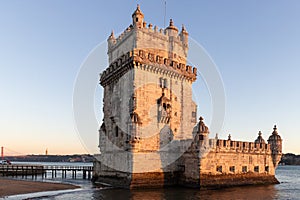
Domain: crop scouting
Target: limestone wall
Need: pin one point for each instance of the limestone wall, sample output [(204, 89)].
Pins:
[(117, 97), (235, 157), (148, 91)]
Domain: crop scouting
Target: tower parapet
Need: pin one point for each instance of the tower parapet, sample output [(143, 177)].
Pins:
[(166, 42)]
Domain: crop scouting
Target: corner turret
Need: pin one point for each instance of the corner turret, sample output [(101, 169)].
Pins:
[(172, 30), (203, 130), (138, 18), (111, 40), (275, 142), (184, 36)]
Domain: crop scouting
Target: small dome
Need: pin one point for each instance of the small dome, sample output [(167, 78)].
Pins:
[(171, 26), (260, 138), (275, 135), (138, 11), (202, 127)]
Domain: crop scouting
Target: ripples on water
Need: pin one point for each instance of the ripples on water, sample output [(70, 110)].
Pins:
[(288, 189)]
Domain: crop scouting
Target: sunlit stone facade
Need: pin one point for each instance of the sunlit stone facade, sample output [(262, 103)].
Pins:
[(150, 135)]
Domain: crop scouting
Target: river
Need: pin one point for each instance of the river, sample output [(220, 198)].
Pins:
[(288, 176)]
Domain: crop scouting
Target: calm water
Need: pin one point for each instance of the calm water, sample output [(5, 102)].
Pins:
[(289, 176)]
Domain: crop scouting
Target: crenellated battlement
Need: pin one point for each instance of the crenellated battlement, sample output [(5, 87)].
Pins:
[(240, 146), (139, 35), (155, 32), (155, 62)]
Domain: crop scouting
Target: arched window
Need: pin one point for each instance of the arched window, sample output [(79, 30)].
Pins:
[(117, 131)]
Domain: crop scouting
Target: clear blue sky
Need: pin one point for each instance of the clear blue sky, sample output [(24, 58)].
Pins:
[(255, 44)]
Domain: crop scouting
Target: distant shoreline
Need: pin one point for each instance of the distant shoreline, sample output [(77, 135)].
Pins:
[(10, 187), (85, 158)]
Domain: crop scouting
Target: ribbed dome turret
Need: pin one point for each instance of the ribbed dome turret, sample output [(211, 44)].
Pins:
[(275, 142), (260, 138), (275, 135), (171, 29), (202, 128)]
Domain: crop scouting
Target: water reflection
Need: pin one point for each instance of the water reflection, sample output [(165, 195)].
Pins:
[(289, 188), (247, 192)]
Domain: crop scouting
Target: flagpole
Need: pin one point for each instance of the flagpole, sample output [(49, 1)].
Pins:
[(165, 13)]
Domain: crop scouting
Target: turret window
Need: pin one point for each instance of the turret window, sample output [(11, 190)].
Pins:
[(267, 169), (163, 82), (117, 131), (137, 19), (194, 114), (201, 137), (194, 117), (219, 169)]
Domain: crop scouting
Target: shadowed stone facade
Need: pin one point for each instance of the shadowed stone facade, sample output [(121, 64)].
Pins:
[(150, 136)]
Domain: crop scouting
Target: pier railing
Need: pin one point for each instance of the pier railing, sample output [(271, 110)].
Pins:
[(44, 170), (24, 170)]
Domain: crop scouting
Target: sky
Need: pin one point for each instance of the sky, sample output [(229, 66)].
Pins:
[(254, 44)]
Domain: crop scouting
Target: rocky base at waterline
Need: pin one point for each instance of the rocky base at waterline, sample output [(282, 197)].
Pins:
[(13, 187), (159, 180), (228, 180)]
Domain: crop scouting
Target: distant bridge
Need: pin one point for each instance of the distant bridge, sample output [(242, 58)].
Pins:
[(35, 170)]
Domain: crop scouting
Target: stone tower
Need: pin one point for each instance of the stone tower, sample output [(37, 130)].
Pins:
[(147, 96), (147, 86)]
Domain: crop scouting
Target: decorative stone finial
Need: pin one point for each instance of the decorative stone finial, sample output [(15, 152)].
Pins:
[(217, 136), (229, 137), (183, 29), (275, 130), (138, 9), (171, 22), (111, 39), (112, 34), (259, 133), (201, 118)]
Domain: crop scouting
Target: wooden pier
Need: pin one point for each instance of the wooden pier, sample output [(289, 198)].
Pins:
[(85, 170), (44, 170), (21, 170)]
